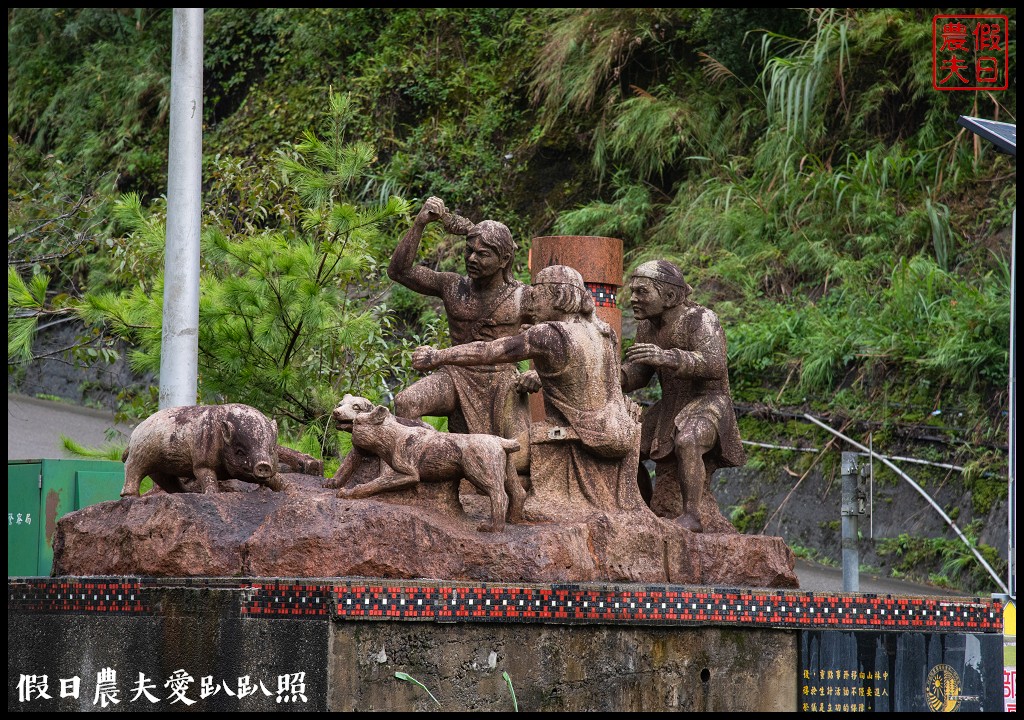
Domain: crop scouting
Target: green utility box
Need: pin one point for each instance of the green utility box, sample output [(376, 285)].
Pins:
[(40, 492)]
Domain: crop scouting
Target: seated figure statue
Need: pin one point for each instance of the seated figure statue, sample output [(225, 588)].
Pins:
[(583, 458)]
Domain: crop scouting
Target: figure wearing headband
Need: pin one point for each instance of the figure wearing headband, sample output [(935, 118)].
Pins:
[(691, 431)]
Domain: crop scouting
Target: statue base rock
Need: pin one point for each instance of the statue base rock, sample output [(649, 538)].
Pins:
[(423, 532)]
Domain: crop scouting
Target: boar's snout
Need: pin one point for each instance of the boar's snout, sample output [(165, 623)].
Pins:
[(263, 470)]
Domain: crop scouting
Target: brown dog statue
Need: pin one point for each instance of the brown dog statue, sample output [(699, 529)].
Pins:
[(412, 451)]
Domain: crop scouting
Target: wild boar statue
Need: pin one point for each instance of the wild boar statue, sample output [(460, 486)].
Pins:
[(191, 448)]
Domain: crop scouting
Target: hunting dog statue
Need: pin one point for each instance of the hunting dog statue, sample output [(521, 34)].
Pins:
[(412, 451)]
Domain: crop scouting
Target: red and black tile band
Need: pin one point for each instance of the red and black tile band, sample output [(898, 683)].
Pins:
[(114, 596), (604, 295), (366, 599), (657, 605)]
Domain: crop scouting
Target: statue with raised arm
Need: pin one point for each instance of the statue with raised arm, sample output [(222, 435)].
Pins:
[(691, 431), (583, 458), (482, 305)]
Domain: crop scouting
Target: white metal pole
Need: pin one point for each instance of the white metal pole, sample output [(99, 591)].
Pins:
[(1011, 500), (179, 350)]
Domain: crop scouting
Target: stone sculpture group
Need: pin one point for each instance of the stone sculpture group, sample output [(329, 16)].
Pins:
[(584, 456), (581, 468)]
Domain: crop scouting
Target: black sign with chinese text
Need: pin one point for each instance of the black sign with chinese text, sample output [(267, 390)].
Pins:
[(900, 672)]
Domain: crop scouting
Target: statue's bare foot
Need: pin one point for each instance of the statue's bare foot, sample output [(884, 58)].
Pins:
[(690, 522), (489, 527)]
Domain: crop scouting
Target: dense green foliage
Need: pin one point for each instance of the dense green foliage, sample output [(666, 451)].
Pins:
[(957, 565), (798, 164), (290, 318)]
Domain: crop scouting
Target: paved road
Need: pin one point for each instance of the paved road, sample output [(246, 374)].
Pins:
[(815, 577), (35, 426)]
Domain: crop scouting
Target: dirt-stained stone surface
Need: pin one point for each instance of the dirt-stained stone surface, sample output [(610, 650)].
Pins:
[(561, 669), (306, 531)]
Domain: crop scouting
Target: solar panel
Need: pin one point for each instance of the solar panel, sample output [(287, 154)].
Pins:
[(1002, 135)]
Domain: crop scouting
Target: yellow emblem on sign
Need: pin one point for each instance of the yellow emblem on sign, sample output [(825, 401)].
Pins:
[(942, 689)]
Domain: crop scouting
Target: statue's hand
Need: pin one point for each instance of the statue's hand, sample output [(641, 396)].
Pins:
[(425, 358), (650, 354), (432, 210), (528, 382)]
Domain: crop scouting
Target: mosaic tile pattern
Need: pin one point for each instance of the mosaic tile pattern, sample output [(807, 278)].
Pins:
[(113, 596), (355, 599), (604, 295), (672, 606), (287, 599), (367, 601)]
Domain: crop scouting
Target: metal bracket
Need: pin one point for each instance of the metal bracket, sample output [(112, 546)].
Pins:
[(854, 498)]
